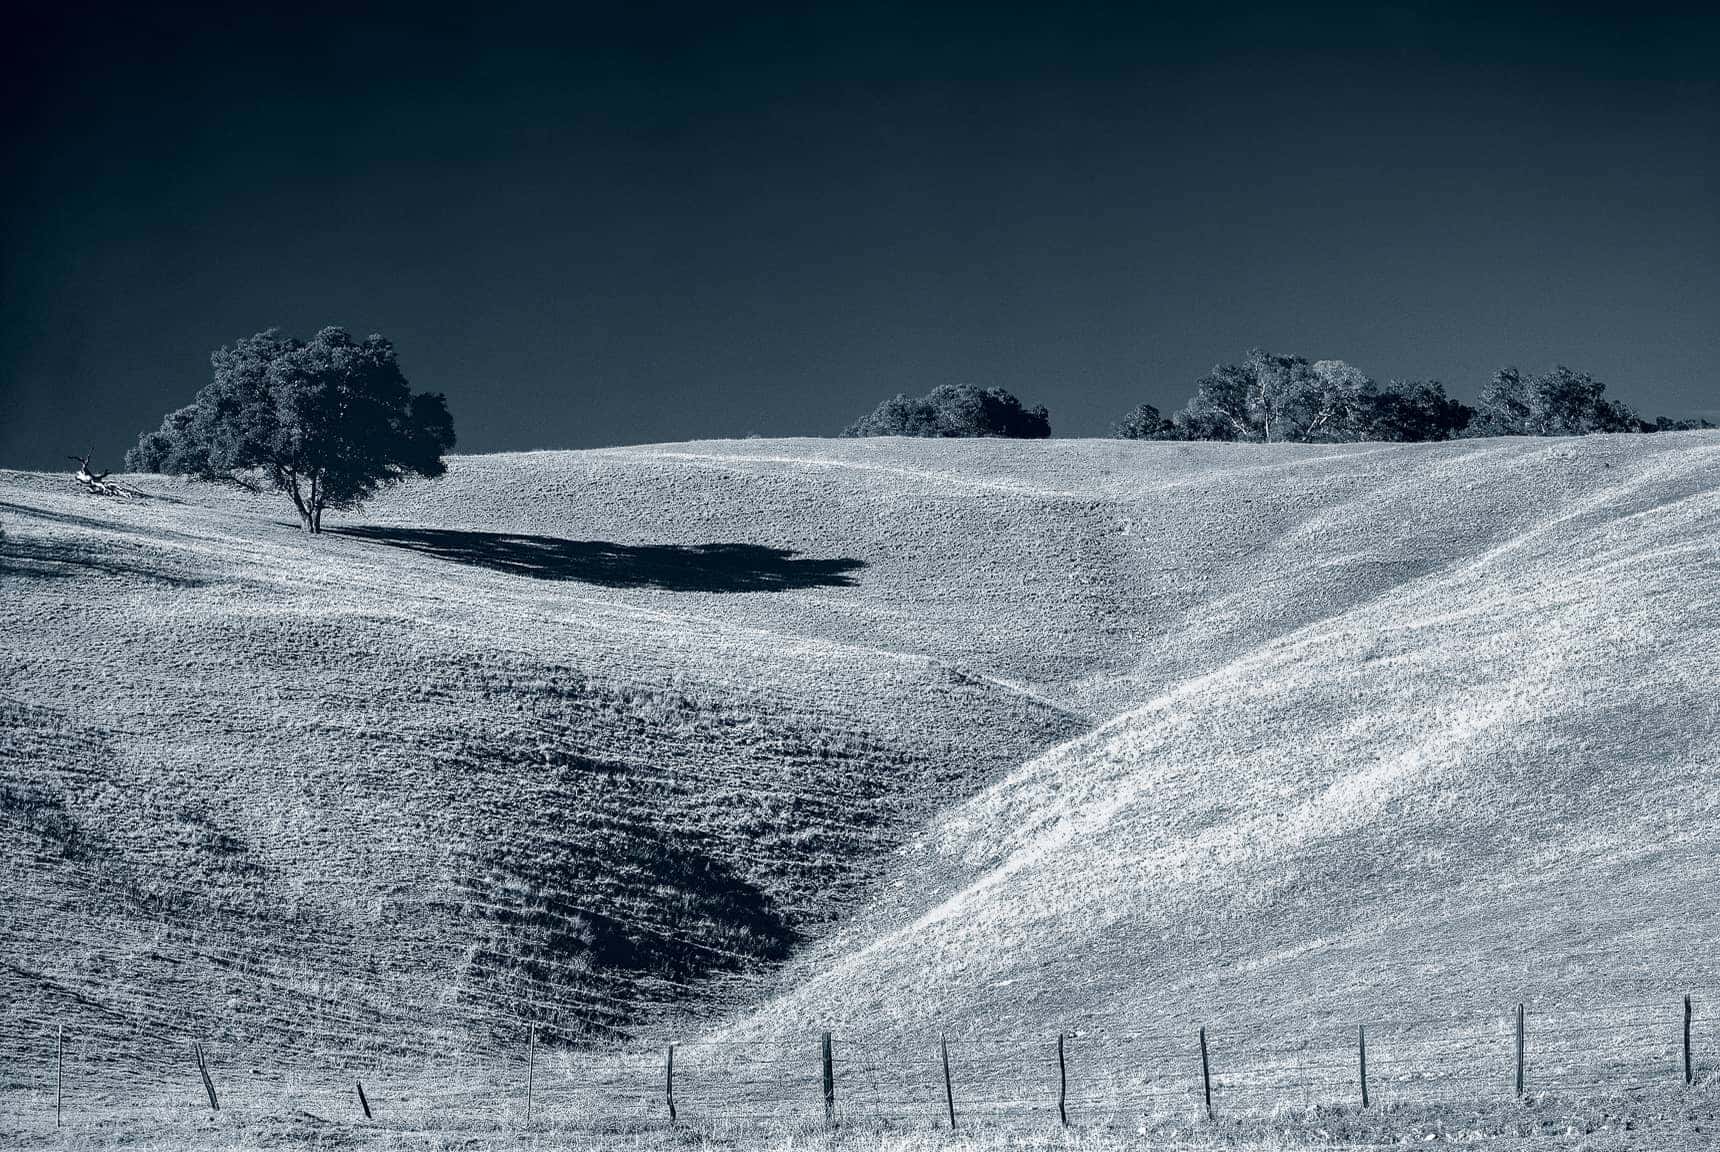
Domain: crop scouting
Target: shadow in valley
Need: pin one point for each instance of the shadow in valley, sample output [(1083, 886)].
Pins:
[(672, 567)]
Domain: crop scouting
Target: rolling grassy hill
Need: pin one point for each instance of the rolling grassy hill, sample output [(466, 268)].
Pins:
[(343, 794), (880, 735), (1482, 767)]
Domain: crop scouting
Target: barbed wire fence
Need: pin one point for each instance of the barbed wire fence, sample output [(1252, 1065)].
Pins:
[(1088, 1077)]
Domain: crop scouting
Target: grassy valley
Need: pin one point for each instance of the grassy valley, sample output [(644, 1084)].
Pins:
[(750, 739)]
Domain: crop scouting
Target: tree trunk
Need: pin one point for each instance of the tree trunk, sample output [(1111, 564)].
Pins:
[(292, 486), (309, 501)]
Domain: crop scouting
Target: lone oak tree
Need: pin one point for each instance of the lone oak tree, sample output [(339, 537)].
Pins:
[(328, 421)]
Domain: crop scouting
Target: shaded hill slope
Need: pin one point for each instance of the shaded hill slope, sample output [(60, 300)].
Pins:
[(330, 796)]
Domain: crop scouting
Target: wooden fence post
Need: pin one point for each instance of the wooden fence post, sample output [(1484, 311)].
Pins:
[(208, 1084), (949, 1092), (829, 1083), (1689, 1069), (1362, 1058), (60, 1063), (669, 1082), (1205, 1073), (1520, 1047), (1062, 1083), (531, 1067), (362, 1102)]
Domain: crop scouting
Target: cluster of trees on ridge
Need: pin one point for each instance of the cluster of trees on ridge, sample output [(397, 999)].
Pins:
[(1271, 398), (954, 410), (331, 420)]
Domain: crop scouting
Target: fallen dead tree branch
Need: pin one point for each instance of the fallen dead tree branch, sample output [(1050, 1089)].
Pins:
[(97, 483)]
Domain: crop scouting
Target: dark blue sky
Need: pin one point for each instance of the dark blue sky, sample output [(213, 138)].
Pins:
[(621, 223)]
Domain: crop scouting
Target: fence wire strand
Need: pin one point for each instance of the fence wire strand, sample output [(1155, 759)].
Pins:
[(1432, 1059)]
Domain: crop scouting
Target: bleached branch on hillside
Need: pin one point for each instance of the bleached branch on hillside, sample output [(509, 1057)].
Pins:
[(98, 483)]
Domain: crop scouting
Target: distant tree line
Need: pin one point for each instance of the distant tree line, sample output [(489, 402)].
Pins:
[(1271, 398)]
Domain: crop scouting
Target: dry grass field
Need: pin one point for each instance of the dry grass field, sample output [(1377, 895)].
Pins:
[(1665, 1122), (735, 742)]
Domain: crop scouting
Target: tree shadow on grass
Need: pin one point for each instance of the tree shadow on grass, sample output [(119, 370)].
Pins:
[(53, 560), (671, 567)]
